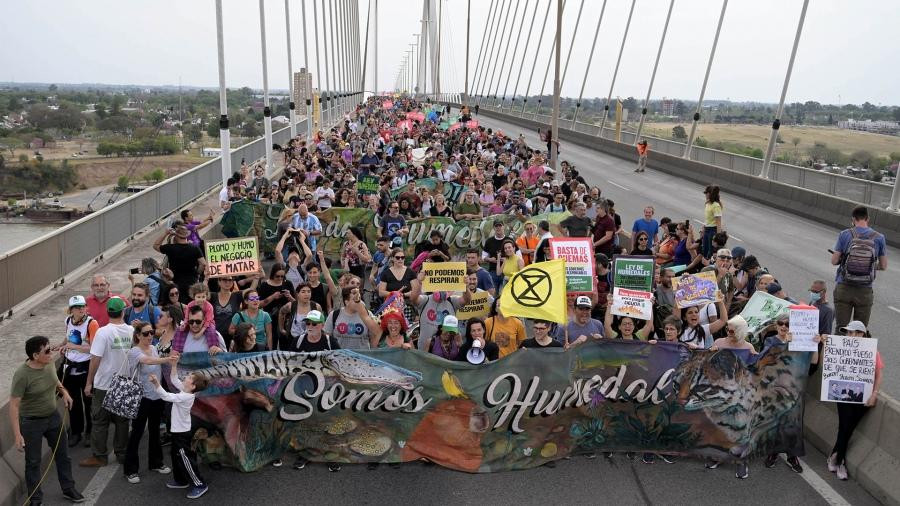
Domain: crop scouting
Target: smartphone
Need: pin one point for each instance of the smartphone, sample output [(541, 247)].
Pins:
[(687, 224), (134, 270)]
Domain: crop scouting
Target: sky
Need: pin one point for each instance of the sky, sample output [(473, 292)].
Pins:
[(847, 52)]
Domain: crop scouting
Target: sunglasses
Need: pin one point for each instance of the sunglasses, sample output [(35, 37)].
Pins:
[(309, 323), (399, 258), (723, 257), (782, 324), (146, 333), (253, 298), (644, 239), (46, 351), (195, 322)]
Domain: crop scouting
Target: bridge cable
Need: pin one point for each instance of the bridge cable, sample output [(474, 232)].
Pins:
[(524, 53), (588, 69), (712, 54), (512, 59), (306, 87), (662, 41), (616, 71), (537, 51), (488, 56), (481, 48), (504, 51), (569, 55), (318, 58)]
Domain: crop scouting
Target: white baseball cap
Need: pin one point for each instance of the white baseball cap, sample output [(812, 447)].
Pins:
[(76, 300), (854, 325), (583, 301)]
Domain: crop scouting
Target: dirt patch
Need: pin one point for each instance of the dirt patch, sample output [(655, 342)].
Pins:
[(103, 171)]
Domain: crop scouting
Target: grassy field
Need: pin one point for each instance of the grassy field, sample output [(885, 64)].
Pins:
[(757, 136)]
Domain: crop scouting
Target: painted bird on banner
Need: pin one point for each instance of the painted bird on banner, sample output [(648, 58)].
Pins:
[(537, 291)]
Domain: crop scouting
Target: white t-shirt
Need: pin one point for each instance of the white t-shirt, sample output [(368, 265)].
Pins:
[(324, 197), (192, 344), (708, 312), (223, 195), (111, 344), (182, 402), (702, 338)]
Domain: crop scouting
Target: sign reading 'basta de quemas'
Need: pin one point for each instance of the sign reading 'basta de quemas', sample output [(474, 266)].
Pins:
[(519, 412)]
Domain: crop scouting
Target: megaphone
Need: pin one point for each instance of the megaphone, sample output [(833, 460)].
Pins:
[(475, 354)]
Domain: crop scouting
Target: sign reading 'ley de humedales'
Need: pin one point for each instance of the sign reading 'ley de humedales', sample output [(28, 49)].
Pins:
[(634, 272)]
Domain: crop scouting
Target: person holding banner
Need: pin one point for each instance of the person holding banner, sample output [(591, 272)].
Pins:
[(581, 326), (849, 414), (542, 338), (447, 342), (506, 332), (355, 254), (626, 325), (476, 331)]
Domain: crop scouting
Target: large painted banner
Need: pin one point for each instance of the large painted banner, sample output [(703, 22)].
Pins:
[(522, 411), (452, 191)]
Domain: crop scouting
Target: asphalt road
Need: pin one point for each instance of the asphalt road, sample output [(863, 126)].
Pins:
[(794, 249), (618, 480)]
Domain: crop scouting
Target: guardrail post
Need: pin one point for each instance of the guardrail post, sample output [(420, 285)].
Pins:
[(895, 196)]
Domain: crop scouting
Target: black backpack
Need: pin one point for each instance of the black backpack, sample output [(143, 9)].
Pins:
[(858, 263)]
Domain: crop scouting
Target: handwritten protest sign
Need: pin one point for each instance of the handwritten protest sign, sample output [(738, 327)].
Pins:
[(632, 303), (367, 185), (634, 272), (804, 326), (848, 369), (444, 276), (232, 257), (578, 252), (761, 310), (695, 289), (478, 307)]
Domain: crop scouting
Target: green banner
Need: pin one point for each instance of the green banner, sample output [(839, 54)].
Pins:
[(453, 192), (634, 272), (522, 411), (245, 218), (367, 185)]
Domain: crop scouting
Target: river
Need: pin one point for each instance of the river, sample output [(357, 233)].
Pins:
[(13, 235)]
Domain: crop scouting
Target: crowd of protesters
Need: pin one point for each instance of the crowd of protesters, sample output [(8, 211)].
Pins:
[(305, 301)]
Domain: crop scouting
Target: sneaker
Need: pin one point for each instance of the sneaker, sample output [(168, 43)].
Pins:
[(93, 461), (668, 459), (300, 463), (333, 467), (794, 464), (712, 464), (133, 478), (841, 472), (591, 456), (73, 495), (832, 462), (163, 469), (276, 463), (175, 484), (743, 471), (771, 460), (648, 458), (197, 491)]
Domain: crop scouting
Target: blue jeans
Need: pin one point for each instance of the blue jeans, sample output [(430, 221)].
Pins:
[(706, 244)]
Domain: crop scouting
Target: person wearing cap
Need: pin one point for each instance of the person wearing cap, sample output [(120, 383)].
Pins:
[(850, 414), (775, 289), (581, 326), (185, 260), (33, 416), (315, 338), (76, 351), (109, 351), (447, 342)]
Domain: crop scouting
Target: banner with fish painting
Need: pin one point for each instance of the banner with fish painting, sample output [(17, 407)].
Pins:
[(522, 411)]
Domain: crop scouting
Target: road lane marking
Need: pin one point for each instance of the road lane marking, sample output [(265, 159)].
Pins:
[(892, 308), (736, 238), (821, 486), (98, 484), (618, 185)]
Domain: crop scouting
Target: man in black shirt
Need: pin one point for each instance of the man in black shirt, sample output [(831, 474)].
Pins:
[(315, 339), (541, 337), (185, 260), (438, 250), (577, 225), (490, 250)]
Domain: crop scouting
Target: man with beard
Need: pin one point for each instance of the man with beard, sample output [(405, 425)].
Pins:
[(141, 308), (665, 295)]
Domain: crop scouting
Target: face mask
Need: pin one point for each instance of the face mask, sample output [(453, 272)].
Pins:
[(814, 297)]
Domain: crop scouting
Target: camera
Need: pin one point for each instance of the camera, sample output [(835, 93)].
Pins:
[(134, 270)]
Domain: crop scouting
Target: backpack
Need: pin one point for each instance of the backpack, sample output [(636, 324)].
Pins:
[(858, 263)]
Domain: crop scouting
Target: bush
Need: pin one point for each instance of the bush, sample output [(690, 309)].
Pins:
[(122, 184)]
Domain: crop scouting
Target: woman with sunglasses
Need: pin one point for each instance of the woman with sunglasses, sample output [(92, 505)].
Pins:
[(170, 297), (275, 293), (641, 244), (143, 361), (260, 319), (400, 278)]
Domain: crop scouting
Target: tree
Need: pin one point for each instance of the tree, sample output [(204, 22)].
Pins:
[(11, 143), (678, 132), (795, 141), (679, 108), (53, 87), (212, 129), (896, 113), (250, 129), (156, 176), (895, 156), (122, 184), (100, 111), (631, 104), (14, 104), (862, 157)]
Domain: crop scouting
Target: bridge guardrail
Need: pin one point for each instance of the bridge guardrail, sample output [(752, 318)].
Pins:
[(34, 266), (858, 190)]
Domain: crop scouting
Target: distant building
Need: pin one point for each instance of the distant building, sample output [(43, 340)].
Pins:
[(668, 107), (284, 120), (36, 143), (211, 152), (879, 127)]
